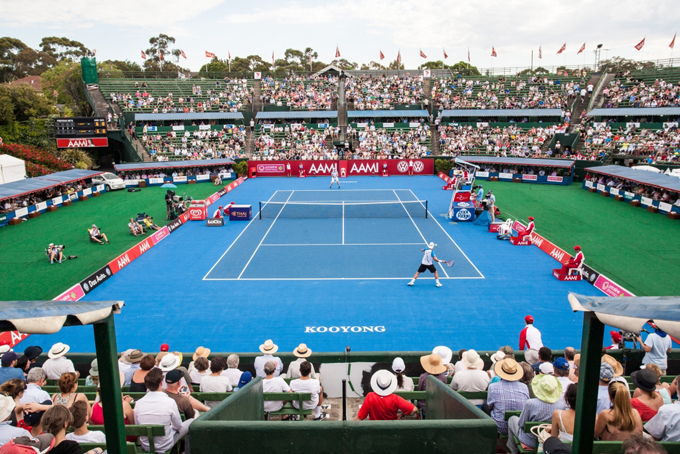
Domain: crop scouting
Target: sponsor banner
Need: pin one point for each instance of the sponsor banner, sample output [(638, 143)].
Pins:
[(482, 174), (589, 274), (507, 176), (322, 125), (3, 218), (87, 191), (414, 125), (184, 217), (610, 288), (226, 175), (132, 182), (613, 191), (271, 168), (179, 179), (388, 125), (601, 187), (354, 167), (549, 248), (174, 224), (519, 227), (670, 124), (93, 280), (213, 198), (589, 184), (215, 222), (552, 179), (362, 125), (178, 128), (267, 126), (101, 187), (444, 177), (204, 127), (156, 181), (57, 200), (530, 177), (42, 206), (73, 196), (629, 195), (221, 192), (159, 235), (667, 207), (482, 125), (122, 261), (345, 329), (646, 201), (21, 212), (141, 248), (72, 294), (632, 125), (152, 128), (83, 143), (12, 338), (203, 177)]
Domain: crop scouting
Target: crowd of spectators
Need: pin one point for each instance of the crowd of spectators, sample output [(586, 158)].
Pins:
[(627, 90), (642, 190), (176, 172), (24, 201), (300, 93), (295, 141), (200, 144), (384, 92), (497, 141), (655, 145), (388, 143)]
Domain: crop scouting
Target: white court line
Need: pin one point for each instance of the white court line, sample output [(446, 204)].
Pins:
[(339, 278), (343, 222), (343, 244), (234, 242), (447, 234), (265, 235), (416, 226), (343, 190)]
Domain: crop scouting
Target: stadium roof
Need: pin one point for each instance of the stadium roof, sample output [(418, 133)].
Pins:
[(189, 116), (519, 161), (659, 180), (171, 164), (295, 115), (502, 113), (30, 185), (634, 112), (48, 317), (387, 113)]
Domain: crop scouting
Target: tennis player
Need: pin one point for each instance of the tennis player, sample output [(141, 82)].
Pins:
[(334, 178), (427, 264)]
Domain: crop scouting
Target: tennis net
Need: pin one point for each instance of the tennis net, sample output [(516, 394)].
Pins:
[(318, 210)]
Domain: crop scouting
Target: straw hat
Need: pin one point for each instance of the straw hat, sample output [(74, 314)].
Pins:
[(302, 351), (269, 347), (432, 364), (201, 352), (471, 360), (58, 350), (7, 406), (134, 356), (384, 382), (444, 352), (618, 368), (169, 362), (546, 388), (508, 369)]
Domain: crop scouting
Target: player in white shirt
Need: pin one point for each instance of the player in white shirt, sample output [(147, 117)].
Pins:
[(427, 264), (334, 178)]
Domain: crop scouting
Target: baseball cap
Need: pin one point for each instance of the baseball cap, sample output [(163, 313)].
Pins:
[(430, 245), (577, 248), (606, 372), (529, 319), (8, 357), (561, 364), (616, 336), (173, 376), (531, 218), (398, 365), (165, 347), (546, 368)]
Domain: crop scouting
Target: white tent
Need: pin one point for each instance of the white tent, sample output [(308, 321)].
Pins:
[(11, 169)]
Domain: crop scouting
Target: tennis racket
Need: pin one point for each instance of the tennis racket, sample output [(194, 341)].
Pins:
[(449, 263)]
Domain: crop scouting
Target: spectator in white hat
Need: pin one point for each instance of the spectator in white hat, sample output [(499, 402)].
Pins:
[(404, 383), (381, 404), (58, 364), (268, 348), (302, 352), (7, 431), (473, 378), (446, 354)]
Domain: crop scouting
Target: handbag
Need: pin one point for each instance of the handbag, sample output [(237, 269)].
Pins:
[(541, 435)]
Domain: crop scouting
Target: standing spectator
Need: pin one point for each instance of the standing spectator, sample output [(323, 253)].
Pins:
[(530, 337), (81, 434), (508, 393), (158, 408), (57, 363), (34, 392), (68, 385), (433, 366), (8, 371), (404, 383), (606, 375), (306, 384), (622, 421), (172, 380), (649, 401), (563, 420), (232, 371), (302, 352), (381, 404), (616, 340), (548, 391), (273, 384), (268, 348), (656, 347), (215, 382)]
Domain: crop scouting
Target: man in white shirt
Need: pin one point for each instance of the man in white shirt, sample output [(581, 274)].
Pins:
[(34, 392), (215, 382), (561, 370), (157, 408), (302, 353), (273, 384), (656, 347), (305, 384), (268, 348), (530, 337), (427, 264), (473, 378), (232, 371), (57, 363)]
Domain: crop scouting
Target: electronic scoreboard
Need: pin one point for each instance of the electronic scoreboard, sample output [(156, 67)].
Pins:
[(80, 132)]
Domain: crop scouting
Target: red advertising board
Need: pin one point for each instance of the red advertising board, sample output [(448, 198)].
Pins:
[(122, 260), (353, 167), (142, 247), (549, 248), (89, 142)]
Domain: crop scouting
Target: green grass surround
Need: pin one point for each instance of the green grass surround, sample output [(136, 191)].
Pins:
[(25, 269)]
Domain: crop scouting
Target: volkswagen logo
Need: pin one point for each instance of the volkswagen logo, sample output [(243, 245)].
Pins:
[(418, 166), (402, 166)]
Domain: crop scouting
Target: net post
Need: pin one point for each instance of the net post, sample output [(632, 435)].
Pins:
[(260, 213), (426, 209)]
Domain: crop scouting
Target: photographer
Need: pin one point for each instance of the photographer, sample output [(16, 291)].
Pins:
[(135, 227), (148, 222), (97, 236), (55, 252), (169, 203), (657, 346)]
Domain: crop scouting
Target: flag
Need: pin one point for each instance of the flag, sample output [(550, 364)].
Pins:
[(95, 51), (310, 58), (563, 48), (493, 52), (422, 54), (581, 49), (672, 44), (183, 54), (382, 56), (143, 56), (209, 54), (468, 54), (337, 52), (540, 52), (229, 55), (445, 56), (399, 56), (641, 44), (160, 55)]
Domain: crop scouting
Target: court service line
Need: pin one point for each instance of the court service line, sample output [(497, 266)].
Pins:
[(415, 225), (343, 222), (340, 278), (265, 235), (447, 234), (342, 244), (234, 242)]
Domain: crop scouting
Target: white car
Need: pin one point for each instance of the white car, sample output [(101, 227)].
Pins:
[(110, 180)]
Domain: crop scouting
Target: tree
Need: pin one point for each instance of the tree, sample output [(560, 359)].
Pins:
[(464, 69), (372, 66), (433, 65), (28, 103), (395, 65), (64, 48), (9, 49), (160, 46), (65, 80), (240, 65), (616, 64), (257, 64), (215, 66), (31, 63), (6, 106), (344, 64)]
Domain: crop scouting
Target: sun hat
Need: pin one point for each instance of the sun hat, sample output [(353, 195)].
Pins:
[(8, 357), (398, 365), (432, 364), (32, 352), (302, 351), (498, 356), (546, 388), (616, 366), (160, 356), (39, 445), (134, 356), (383, 382), (269, 347), (58, 350), (644, 379), (169, 362), (430, 245), (471, 360), (246, 377), (606, 372), (94, 368), (546, 368), (123, 357), (531, 356), (528, 319), (201, 351), (616, 336), (6, 407), (4, 349), (174, 376), (561, 363), (508, 369), (444, 353)]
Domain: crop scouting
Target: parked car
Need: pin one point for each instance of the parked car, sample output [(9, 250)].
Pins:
[(110, 180)]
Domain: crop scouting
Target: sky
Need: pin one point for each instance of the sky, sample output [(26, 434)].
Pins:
[(120, 29)]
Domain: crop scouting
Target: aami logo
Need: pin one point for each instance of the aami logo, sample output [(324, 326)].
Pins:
[(123, 261), (364, 168), (463, 215), (557, 254), (144, 246), (81, 143), (322, 168), (537, 240), (572, 277)]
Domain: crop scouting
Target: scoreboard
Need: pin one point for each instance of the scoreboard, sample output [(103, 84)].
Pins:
[(80, 132)]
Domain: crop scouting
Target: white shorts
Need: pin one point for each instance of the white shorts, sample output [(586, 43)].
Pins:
[(335, 180)]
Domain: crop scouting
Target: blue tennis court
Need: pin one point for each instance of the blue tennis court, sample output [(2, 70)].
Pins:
[(336, 235)]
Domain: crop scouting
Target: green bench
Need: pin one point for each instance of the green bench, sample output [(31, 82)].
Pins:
[(288, 408), (130, 448)]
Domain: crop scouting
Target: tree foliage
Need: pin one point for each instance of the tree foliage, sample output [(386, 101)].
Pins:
[(64, 48), (616, 64), (24, 102)]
